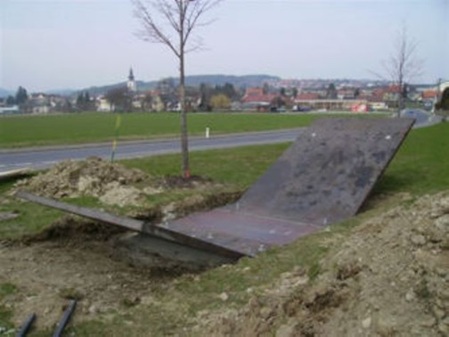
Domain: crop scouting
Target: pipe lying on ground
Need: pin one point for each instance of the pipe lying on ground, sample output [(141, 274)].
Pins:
[(65, 318), (26, 326)]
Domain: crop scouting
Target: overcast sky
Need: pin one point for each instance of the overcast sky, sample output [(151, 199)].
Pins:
[(59, 44)]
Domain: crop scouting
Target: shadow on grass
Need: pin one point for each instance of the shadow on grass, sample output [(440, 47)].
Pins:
[(393, 183)]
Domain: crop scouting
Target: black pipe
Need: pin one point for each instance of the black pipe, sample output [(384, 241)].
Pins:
[(65, 318), (26, 326)]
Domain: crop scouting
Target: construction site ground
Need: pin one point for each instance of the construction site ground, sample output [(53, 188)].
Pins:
[(384, 273)]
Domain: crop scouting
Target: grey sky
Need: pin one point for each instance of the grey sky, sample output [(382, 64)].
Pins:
[(78, 43)]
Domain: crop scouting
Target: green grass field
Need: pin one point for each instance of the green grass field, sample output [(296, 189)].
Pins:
[(420, 166), (22, 131)]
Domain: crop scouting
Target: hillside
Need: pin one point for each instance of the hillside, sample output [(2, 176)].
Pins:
[(194, 80), (237, 81)]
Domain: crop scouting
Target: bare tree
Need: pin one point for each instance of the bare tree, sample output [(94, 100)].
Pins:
[(171, 22), (403, 65), (119, 99)]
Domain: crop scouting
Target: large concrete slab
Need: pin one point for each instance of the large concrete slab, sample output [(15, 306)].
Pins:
[(323, 178)]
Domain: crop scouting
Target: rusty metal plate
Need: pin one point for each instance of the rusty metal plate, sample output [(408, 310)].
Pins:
[(326, 175), (323, 178), (245, 233)]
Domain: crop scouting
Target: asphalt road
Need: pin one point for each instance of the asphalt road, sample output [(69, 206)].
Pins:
[(40, 158)]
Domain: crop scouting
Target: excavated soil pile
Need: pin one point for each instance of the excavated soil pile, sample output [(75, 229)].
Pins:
[(116, 185), (390, 277), (111, 182)]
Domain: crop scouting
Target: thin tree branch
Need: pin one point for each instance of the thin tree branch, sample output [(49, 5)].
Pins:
[(180, 17), (152, 32)]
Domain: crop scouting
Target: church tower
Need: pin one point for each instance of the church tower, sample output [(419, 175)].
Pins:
[(131, 82)]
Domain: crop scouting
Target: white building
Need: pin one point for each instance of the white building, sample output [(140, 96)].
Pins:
[(131, 81)]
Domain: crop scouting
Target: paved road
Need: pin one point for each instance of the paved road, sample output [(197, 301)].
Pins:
[(39, 158)]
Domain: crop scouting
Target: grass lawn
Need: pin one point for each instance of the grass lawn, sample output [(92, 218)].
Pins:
[(21, 131), (421, 164)]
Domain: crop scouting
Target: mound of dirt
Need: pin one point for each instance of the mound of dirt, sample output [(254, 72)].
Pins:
[(390, 277), (112, 183), (74, 178)]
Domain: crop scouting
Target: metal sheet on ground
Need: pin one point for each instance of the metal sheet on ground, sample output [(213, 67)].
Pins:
[(246, 233), (326, 175), (323, 178)]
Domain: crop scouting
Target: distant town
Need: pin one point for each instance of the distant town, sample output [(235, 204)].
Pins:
[(261, 93)]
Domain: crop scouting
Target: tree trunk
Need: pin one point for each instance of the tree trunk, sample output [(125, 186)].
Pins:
[(182, 94), (184, 136)]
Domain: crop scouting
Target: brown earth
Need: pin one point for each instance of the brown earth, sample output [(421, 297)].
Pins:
[(92, 177), (47, 273), (388, 276), (74, 257), (111, 183)]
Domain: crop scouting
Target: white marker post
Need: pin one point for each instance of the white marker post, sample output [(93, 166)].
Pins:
[(207, 132)]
